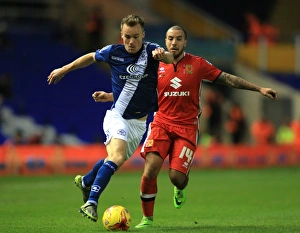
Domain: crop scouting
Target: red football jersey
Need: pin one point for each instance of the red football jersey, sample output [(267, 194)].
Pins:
[(179, 90)]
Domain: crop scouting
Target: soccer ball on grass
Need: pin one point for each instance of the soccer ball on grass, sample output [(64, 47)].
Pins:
[(116, 218)]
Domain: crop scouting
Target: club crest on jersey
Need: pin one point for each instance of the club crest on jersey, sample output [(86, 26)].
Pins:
[(189, 69), (149, 143), (121, 132)]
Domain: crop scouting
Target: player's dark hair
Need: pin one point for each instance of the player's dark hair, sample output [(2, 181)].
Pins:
[(132, 20), (176, 27)]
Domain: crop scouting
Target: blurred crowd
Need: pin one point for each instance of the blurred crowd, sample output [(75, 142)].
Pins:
[(257, 30), (227, 124)]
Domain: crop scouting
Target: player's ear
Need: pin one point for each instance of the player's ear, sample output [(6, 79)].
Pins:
[(143, 35), (185, 43)]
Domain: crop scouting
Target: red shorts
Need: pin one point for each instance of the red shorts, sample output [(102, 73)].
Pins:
[(179, 143)]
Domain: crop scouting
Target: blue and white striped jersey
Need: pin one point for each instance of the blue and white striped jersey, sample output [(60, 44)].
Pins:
[(134, 79)]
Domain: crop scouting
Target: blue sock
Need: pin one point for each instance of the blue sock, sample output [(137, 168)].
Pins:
[(102, 179), (89, 178)]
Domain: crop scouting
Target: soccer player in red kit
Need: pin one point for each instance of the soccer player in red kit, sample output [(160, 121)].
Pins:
[(174, 130)]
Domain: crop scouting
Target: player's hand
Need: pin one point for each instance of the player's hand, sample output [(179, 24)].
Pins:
[(158, 53), (102, 96), (270, 93), (55, 76)]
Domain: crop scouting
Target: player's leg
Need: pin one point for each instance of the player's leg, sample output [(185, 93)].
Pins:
[(85, 182), (155, 150), (116, 150), (181, 158), (123, 139), (180, 181), (148, 188)]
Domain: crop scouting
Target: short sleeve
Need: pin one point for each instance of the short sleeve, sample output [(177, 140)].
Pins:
[(103, 54)]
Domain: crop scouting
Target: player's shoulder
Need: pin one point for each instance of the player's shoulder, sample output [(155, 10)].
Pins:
[(192, 57), (151, 45), (197, 60), (115, 46), (104, 49)]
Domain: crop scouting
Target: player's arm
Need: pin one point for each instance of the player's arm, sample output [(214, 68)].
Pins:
[(161, 55), (102, 96), (167, 58), (81, 62), (239, 83)]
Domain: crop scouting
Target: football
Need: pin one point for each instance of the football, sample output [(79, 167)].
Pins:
[(116, 218)]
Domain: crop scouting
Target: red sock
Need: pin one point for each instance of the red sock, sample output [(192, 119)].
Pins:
[(148, 194)]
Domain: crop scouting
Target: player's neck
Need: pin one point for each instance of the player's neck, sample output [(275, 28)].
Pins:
[(177, 59)]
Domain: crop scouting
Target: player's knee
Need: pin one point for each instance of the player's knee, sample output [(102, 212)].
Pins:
[(178, 179), (151, 171), (118, 159), (153, 165)]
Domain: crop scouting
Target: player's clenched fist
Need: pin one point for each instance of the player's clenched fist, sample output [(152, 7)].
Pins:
[(102, 96), (158, 54)]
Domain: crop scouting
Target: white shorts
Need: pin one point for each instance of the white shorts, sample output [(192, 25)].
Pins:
[(131, 131)]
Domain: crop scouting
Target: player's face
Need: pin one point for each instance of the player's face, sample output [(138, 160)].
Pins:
[(132, 37), (175, 43)]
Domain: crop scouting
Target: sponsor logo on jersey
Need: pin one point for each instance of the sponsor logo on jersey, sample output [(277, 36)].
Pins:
[(135, 71), (162, 69), (117, 58), (175, 83), (185, 164), (161, 72), (189, 69), (137, 77), (176, 93)]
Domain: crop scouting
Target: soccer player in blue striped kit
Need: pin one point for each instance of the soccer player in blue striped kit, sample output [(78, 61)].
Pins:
[(134, 74)]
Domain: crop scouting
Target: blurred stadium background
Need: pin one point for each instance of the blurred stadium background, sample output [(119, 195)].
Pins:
[(37, 36)]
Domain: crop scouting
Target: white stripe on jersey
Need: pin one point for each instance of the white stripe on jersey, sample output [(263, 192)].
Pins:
[(126, 95), (132, 83)]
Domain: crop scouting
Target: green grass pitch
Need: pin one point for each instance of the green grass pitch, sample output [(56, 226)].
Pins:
[(266, 200)]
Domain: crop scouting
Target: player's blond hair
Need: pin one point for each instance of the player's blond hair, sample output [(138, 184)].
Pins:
[(132, 20)]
